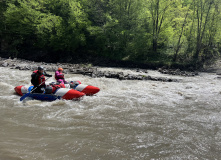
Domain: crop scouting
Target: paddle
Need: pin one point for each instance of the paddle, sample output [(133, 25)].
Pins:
[(27, 94)]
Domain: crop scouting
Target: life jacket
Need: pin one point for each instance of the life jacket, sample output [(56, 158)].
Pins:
[(58, 75), (37, 78)]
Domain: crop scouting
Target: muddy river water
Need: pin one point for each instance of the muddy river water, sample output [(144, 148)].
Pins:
[(136, 120)]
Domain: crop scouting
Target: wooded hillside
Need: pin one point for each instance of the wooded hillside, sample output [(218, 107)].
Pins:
[(186, 32)]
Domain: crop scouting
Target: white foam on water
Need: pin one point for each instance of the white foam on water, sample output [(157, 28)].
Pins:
[(125, 120)]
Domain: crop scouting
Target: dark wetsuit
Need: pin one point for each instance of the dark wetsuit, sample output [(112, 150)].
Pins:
[(38, 80)]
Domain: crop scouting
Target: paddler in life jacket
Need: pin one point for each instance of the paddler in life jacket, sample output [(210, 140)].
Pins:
[(59, 76), (38, 78)]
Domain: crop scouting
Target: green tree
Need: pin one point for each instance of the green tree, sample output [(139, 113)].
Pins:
[(20, 20), (180, 24), (160, 14), (2, 26), (44, 24), (137, 30), (64, 25), (203, 29)]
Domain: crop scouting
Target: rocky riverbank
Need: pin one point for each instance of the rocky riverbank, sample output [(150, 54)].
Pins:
[(89, 70)]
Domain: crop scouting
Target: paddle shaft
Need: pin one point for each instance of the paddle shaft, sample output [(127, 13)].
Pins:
[(27, 94)]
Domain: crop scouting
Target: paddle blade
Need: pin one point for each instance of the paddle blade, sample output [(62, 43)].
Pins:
[(23, 97)]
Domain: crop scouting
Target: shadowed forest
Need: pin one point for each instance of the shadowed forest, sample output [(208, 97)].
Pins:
[(175, 33)]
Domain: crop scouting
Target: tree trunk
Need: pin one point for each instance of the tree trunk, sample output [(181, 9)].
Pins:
[(200, 33), (178, 43)]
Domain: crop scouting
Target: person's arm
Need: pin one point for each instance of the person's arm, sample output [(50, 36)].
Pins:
[(47, 75)]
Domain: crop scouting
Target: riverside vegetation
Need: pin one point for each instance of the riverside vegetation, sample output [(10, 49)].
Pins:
[(149, 33)]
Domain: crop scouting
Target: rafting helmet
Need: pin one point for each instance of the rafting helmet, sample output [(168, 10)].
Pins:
[(40, 68), (60, 69)]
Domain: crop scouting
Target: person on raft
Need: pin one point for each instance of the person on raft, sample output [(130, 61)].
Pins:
[(38, 80), (59, 76)]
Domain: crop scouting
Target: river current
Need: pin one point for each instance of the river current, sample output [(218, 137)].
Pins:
[(129, 119)]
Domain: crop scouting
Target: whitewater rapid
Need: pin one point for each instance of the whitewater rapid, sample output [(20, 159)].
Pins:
[(127, 119)]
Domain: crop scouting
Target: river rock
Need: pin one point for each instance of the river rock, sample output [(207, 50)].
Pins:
[(84, 69), (218, 72), (177, 72), (4, 64)]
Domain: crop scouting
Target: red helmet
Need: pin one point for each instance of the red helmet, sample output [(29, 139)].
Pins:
[(60, 69)]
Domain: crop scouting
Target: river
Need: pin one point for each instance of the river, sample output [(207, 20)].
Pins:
[(136, 120)]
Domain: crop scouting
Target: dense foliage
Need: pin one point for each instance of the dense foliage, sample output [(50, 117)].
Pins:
[(144, 31)]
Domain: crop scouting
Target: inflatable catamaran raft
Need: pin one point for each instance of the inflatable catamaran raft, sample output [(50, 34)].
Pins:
[(53, 91)]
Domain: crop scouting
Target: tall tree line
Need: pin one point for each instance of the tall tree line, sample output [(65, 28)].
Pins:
[(170, 31)]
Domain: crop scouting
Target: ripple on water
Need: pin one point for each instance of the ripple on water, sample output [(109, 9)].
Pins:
[(125, 120)]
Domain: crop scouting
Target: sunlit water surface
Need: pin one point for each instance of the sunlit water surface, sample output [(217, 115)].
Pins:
[(125, 120)]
